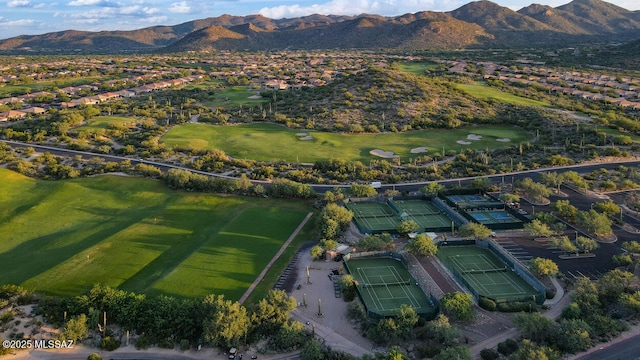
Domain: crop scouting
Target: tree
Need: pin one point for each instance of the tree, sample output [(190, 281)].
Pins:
[(533, 326), (225, 322), (585, 244), (631, 246), (631, 302), (329, 244), (407, 226), (458, 306), (608, 208), (395, 353), (454, 353), (423, 245), (535, 191), (572, 335), (432, 189), (75, 329), (348, 285), (475, 230), (481, 183), (316, 252), (595, 223), (376, 242), (543, 267), (509, 198), (553, 179), (563, 243), (538, 228), (312, 350), (613, 283), (531, 351), (574, 178), (407, 319), (441, 330), (362, 190), (272, 313), (565, 209)]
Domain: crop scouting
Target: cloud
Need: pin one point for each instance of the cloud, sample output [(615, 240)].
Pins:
[(22, 22), (89, 3), (351, 7), (19, 3), (180, 8)]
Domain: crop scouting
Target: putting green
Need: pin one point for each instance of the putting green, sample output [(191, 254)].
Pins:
[(267, 142), (62, 237)]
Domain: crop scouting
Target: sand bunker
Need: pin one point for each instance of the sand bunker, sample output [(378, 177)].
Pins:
[(302, 134), (503, 139), (474, 137), (306, 138), (419, 150), (255, 97), (383, 154), (462, 142)]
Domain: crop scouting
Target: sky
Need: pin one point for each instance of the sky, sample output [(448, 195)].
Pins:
[(32, 17)]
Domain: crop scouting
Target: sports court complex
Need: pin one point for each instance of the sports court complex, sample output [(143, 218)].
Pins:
[(477, 206), (486, 274), (384, 284), (375, 217)]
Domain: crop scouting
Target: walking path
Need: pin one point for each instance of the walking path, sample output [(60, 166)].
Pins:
[(273, 260)]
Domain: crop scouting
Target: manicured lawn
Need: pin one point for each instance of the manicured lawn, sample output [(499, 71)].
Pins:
[(484, 91), (417, 68), (41, 85), (269, 141), (234, 96), (63, 237), (103, 122)]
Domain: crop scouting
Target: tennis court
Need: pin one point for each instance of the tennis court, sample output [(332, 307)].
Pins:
[(473, 201), (423, 212), (485, 273), (493, 216), (371, 217), (384, 285)]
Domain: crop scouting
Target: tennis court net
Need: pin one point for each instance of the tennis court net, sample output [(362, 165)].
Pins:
[(484, 271), (370, 215), (384, 283)]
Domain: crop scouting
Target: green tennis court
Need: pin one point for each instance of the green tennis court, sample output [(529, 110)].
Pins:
[(372, 217), (423, 212), (473, 201), (384, 285), (485, 273)]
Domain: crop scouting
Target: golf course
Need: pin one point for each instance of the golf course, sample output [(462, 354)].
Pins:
[(266, 142), (63, 237)]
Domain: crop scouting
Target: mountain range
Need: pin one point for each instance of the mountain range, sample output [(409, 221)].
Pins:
[(476, 24)]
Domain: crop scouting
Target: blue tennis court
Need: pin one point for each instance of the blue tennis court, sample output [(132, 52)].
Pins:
[(500, 216), (456, 199), (479, 217)]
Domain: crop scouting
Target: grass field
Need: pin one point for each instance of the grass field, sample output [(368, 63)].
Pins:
[(417, 68), (103, 122), (267, 142), (483, 91), (614, 133), (63, 237), (41, 85)]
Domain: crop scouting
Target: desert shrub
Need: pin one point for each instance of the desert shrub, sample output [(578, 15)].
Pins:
[(517, 306), (487, 304), (143, 342), (507, 347), (94, 356), (184, 345), (489, 354), (109, 343)]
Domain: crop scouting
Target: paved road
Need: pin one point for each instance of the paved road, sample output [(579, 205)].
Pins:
[(321, 188), (626, 349)]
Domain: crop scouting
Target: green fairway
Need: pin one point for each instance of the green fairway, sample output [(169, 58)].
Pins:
[(270, 142), (484, 91), (103, 122), (615, 133), (417, 68), (63, 237), (234, 96)]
